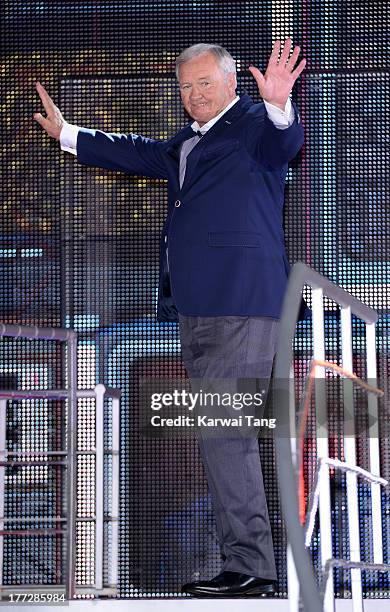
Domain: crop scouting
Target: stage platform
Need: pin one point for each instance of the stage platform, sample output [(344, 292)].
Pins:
[(193, 605)]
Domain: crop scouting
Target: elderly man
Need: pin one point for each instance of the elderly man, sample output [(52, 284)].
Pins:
[(223, 267)]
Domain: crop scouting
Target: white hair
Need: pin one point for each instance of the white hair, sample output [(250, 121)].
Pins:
[(225, 60)]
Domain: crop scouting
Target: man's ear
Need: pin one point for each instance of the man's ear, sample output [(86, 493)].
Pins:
[(232, 81)]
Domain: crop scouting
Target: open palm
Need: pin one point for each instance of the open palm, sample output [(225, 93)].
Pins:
[(277, 82)]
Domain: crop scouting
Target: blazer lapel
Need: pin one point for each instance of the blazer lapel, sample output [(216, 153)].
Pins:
[(173, 145), (228, 119), (172, 148)]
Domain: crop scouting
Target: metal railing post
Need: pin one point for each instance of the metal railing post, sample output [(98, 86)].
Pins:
[(374, 449), (72, 466), (113, 572), (350, 459), (3, 425), (99, 475), (292, 578), (325, 507)]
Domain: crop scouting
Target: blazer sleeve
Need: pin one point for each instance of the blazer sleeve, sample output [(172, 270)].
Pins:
[(125, 152), (275, 147)]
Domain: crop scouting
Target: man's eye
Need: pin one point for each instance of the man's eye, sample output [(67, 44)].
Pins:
[(205, 83)]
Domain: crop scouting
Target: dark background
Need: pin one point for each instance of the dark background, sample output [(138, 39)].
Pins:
[(79, 246)]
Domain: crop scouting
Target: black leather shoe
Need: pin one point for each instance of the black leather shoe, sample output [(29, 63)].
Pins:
[(230, 584)]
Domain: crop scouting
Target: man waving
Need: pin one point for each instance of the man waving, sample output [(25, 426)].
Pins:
[(223, 266)]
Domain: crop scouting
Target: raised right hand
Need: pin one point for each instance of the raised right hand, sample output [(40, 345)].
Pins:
[(54, 121)]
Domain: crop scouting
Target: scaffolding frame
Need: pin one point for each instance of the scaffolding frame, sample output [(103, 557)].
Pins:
[(67, 457)]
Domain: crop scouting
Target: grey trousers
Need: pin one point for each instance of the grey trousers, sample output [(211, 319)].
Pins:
[(234, 348)]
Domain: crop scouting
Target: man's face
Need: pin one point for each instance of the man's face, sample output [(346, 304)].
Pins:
[(205, 89)]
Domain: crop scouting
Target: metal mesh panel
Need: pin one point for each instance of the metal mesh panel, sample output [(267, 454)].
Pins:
[(79, 246)]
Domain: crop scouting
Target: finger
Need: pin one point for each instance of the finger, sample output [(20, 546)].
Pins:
[(273, 59), (257, 75), (45, 123), (301, 66), (46, 99), (293, 58), (285, 52)]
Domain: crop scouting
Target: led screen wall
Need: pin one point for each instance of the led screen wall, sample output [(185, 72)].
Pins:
[(79, 246)]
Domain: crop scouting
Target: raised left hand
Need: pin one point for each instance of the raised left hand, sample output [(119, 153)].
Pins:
[(277, 82)]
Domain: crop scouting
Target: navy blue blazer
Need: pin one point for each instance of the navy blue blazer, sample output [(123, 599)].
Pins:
[(223, 228)]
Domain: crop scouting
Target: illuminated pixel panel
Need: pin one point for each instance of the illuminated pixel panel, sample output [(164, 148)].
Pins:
[(79, 248)]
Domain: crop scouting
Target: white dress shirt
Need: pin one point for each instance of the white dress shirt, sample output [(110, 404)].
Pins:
[(281, 119)]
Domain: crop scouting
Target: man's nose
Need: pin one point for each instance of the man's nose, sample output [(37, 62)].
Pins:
[(196, 93)]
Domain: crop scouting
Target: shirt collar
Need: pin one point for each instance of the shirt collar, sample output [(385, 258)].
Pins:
[(209, 124)]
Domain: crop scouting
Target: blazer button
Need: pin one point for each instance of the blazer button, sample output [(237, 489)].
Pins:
[(177, 203)]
